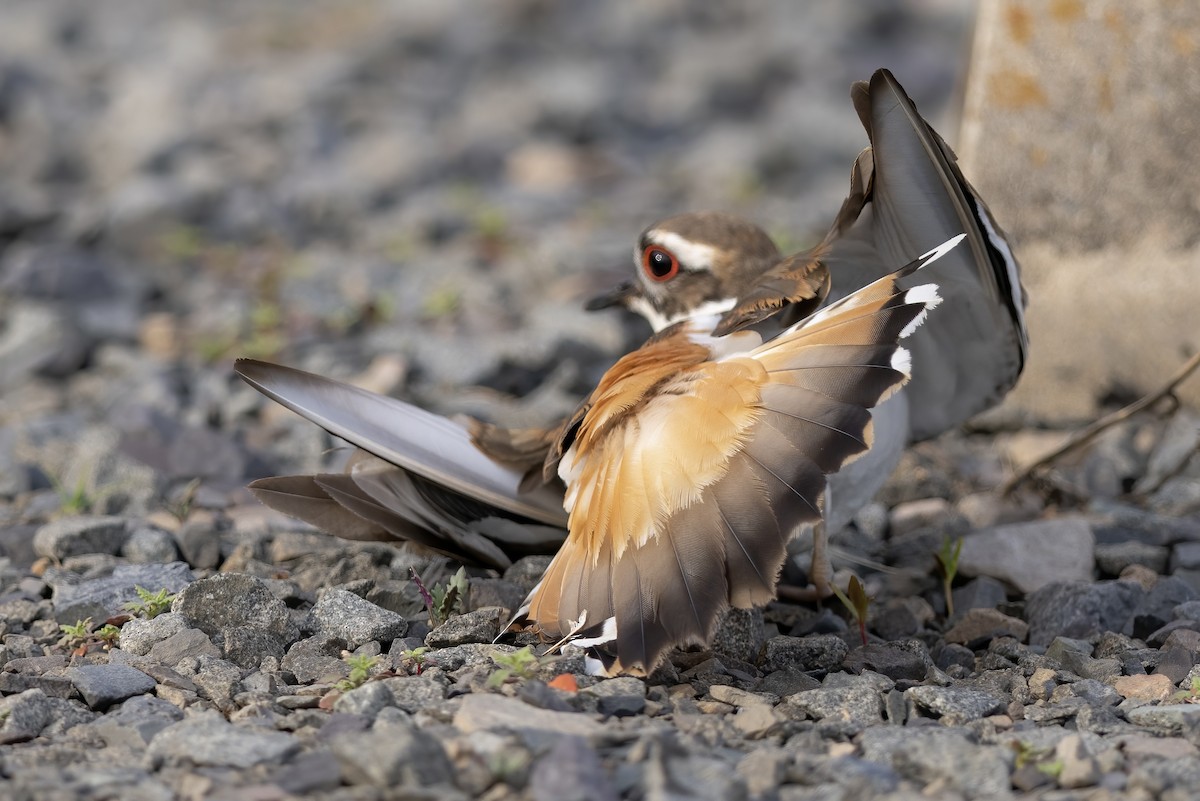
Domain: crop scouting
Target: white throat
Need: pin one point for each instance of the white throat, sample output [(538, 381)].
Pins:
[(704, 316)]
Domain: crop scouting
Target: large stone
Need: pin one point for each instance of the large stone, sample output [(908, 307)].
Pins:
[(1077, 609), (208, 740), (231, 601), (392, 755), (1076, 118), (497, 713), (104, 685), (74, 536), (105, 597), (1031, 555)]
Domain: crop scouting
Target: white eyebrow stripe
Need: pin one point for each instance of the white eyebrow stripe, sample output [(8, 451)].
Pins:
[(695, 255)]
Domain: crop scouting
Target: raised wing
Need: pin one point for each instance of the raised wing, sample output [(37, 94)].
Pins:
[(908, 194)]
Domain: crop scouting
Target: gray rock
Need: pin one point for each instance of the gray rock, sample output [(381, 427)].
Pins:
[(497, 713), (818, 652), (571, 771), (136, 722), (1177, 497), (788, 681), (735, 697), (54, 686), (1076, 657), (248, 647), (148, 545), (947, 756), (74, 536), (739, 634), (141, 634), (527, 571), (366, 700), (38, 337), (955, 705), (671, 772), (216, 679), (204, 453), (1188, 610), (392, 755), (480, 626), (234, 600), (1080, 610), (1156, 608), (187, 644), (850, 709), (952, 654), (355, 620), (1112, 558), (316, 659), (1079, 766), (199, 544), (1031, 555), (104, 685), (895, 621), (414, 693), (31, 713), (102, 598), (24, 716), (1168, 719), (978, 627), (983, 592), (619, 697), (309, 773), (484, 592), (208, 740), (910, 516), (907, 659), (1175, 447)]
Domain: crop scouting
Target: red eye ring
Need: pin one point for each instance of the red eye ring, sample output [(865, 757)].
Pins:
[(659, 264)]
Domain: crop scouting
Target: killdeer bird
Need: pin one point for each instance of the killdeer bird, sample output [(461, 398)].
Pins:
[(686, 471), (488, 495)]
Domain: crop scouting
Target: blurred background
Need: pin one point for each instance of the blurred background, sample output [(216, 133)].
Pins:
[(416, 196)]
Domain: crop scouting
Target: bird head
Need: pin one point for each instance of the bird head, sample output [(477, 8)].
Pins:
[(691, 265)]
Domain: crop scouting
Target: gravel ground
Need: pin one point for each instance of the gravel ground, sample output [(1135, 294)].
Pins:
[(417, 197)]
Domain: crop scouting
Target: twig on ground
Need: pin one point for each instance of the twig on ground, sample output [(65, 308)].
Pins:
[(1090, 432)]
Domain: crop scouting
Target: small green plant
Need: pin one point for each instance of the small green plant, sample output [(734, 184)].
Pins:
[(149, 604), (947, 567), (77, 634), (75, 501), (1191, 695), (444, 601), (413, 659), (1040, 758), (520, 664), (181, 508), (108, 634), (360, 670), (856, 600), (442, 302)]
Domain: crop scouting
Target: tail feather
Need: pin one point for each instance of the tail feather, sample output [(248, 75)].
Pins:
[(910, 195)]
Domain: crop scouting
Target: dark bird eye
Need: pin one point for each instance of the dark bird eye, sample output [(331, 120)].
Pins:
[(659, 263)]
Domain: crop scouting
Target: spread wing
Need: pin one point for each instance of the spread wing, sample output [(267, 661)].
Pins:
[(416, 477), (698, 459)]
